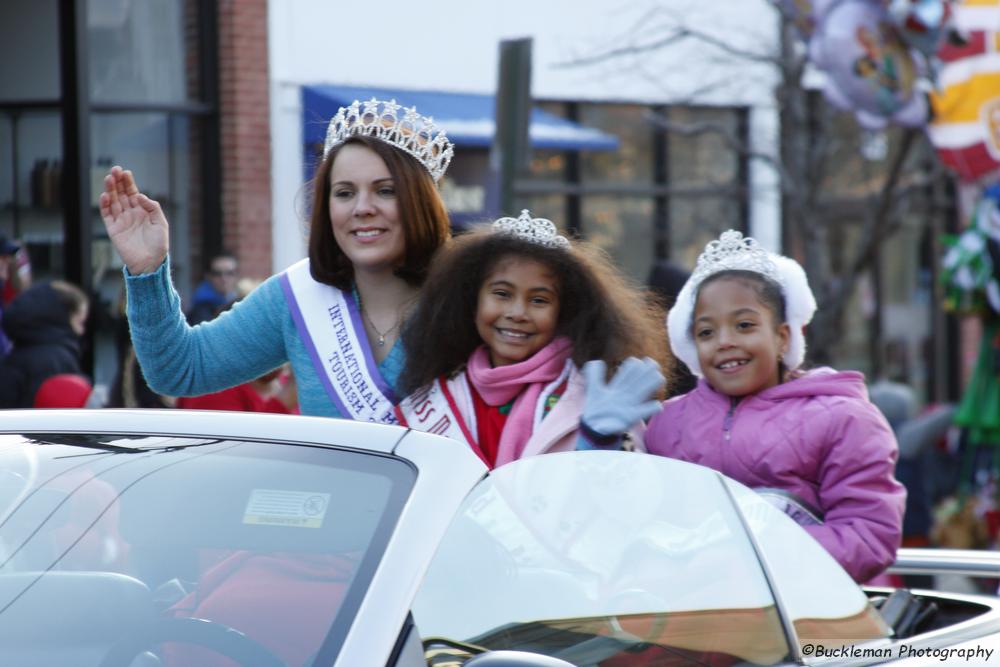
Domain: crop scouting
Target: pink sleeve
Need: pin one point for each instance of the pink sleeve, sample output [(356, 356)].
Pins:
[(661, 433), (861, 500)]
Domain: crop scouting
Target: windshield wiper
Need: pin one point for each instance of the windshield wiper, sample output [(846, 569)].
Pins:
[(100, 443), (81, 441)]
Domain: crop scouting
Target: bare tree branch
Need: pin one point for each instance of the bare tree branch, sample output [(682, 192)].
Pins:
[(679, 33), (728, 137), (875, 232), (613, 54), (812, 150)]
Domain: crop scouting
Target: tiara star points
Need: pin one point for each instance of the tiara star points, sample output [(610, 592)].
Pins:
[(734, 252), (413, 134), (535, 230)]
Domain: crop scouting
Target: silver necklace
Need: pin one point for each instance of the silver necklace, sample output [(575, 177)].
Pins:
[(381, 335)]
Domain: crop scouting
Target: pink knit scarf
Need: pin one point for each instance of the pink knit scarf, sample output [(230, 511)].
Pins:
[(525, 380)]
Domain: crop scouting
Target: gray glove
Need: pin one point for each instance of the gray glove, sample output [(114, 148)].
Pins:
[(614, 407)]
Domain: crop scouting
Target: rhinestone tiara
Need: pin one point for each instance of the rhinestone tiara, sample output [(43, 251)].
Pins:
[(732, 252), (411, 133), (536, 230)]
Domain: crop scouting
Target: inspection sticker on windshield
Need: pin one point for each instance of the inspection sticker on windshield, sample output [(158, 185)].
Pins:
[(299, 509)]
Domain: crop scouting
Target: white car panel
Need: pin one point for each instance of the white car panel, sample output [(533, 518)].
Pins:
[(238, 425), (448, 470)]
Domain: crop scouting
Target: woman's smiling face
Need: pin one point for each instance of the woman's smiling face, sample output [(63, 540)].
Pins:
[(363, 210), (518, 309)]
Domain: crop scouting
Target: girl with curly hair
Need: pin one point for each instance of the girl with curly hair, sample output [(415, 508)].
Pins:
[(510, 315)]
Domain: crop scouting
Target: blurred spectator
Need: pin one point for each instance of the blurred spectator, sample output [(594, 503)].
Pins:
[(272, 392), (665, 281), (129, 389), (917, 434), (898, 403), (217, 290), (44, 323), (15, 270), (15, 276), (67, 390)]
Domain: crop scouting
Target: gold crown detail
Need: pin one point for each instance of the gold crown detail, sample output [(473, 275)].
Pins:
[(536, 230), (411, 132)]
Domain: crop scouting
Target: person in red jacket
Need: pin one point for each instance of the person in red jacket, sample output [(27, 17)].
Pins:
[(272, 392)]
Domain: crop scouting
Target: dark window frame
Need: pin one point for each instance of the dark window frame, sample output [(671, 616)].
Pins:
[(75, 108)]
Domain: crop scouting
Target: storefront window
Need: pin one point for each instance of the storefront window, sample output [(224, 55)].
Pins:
[(143, 51), (695, 179), (622, 226), (697, 220), (632, 163), (162, 152), (29, 33), (548, 165), (552, 207), (704, 158), (31, 208), (464, 187)]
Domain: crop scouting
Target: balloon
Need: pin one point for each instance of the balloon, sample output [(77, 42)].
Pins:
[(921, 23), (870, 70), (965, 128)]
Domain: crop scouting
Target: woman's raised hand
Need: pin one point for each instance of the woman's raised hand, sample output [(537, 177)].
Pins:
[(135, 223)]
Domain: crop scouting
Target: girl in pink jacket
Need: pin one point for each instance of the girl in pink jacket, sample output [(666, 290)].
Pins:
[(507, 317), (809, 441)]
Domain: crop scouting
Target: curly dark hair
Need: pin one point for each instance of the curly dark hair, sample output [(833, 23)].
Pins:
[(421, 211), (600, 311)]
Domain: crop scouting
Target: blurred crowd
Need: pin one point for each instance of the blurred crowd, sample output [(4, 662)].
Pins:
[(42, 327)]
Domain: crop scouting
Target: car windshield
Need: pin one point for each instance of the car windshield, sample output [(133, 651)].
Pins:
[(612, 558), (112, 545)]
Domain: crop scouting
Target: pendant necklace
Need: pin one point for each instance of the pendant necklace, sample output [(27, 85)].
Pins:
[(381, 334)]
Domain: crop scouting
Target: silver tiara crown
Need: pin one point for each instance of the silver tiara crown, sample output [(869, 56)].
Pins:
[(412, 133), (733, 252), (536, 230)]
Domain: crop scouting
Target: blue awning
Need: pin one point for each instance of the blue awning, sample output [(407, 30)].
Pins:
[(467, 118)]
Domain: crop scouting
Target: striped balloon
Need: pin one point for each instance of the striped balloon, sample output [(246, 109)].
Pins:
[(965, 128)]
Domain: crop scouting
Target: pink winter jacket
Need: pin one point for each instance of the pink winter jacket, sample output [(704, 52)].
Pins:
[(818, 437)]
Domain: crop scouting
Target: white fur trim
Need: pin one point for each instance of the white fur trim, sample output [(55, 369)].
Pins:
[(800, 305)]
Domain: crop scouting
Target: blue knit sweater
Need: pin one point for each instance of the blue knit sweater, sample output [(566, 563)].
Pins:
[(252, 338)]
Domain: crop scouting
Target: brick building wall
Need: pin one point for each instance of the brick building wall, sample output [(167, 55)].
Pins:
[(193, 61), (245, 134)]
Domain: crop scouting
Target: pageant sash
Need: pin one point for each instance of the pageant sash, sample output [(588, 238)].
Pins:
[(794, 506), (329, 324), (439, 408)]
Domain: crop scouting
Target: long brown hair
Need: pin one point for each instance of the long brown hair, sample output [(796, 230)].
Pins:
[(600, 311), (421, 211)]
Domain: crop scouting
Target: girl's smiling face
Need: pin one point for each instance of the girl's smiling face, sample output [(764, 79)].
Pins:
[(739, 342), (517, 310)]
